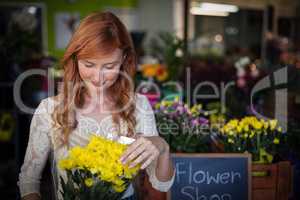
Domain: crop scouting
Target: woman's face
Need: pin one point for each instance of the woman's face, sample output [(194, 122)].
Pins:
[(101, 73)]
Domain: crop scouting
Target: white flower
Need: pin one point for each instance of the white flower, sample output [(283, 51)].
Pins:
[(179, 53)]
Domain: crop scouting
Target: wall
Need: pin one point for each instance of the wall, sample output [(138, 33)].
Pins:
[(150, 16), (155, 16), (84, 7)]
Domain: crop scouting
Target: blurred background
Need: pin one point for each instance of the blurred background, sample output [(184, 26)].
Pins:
[(220, 41)]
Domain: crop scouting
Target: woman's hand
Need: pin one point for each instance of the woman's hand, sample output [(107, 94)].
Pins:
[(144, 150)]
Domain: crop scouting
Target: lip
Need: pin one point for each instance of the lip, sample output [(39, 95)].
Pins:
[(98, 84)]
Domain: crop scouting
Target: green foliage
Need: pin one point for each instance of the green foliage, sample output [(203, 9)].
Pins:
[(76, 189), (169, 49)]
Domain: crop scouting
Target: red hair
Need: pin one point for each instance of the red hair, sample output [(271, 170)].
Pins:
[(99, 34)]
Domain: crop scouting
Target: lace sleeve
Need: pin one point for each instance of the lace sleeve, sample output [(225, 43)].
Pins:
[(37, 151), (145, 117), (147, 126), (162, 186)]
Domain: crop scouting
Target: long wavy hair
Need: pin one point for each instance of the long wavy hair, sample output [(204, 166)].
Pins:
[(100, 33)]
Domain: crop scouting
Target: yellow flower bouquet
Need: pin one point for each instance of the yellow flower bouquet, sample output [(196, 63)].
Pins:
[(259, 137), (95, 171)]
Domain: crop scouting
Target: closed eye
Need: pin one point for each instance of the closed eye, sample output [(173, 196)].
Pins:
[(111, 65), (89, 65)]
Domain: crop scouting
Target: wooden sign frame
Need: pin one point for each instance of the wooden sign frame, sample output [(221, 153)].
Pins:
[(219, 155)]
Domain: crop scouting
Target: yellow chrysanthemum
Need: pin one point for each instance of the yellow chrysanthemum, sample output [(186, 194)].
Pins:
[(88, 182), (239, 129), (119, 188), (273, 124), (276, 141), (231, 141), (157, 106), (100, 157), (279, 129), (246, 128), (252, 134), (66, 164)]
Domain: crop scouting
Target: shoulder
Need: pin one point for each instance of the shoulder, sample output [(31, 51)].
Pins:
[(143, 105), (145, 117), (47, 105), (140, 99)]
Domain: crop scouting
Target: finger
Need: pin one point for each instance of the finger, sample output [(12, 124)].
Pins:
[(155, 154), (137, 136), (138, 151), (148, 162), (142, 157), (130, 149)]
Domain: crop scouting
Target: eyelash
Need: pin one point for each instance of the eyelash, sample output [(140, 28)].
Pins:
[(106, 67), (109, 67), (89, 66)]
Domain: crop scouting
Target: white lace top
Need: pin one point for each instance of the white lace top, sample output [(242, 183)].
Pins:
[(43, 141)]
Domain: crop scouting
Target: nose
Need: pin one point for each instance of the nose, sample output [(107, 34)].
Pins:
[(97, 77)]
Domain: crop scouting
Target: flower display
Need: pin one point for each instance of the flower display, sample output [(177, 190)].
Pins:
[(184, 128), (95, 171), (259, 137)]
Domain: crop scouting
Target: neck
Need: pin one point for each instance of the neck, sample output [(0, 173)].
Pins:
[(97, 97)]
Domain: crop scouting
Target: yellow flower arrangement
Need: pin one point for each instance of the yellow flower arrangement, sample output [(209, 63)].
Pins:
[(252, 135), (96, 168)]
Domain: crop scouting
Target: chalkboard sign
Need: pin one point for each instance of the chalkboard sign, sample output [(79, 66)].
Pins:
[(211, 177)]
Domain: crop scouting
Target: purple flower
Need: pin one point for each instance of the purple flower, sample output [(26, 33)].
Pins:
[(195, 122), (180, 109), (173, 115), (175, 105), (203, 120)]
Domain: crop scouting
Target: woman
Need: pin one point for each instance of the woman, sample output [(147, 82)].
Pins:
[(97, 97)]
